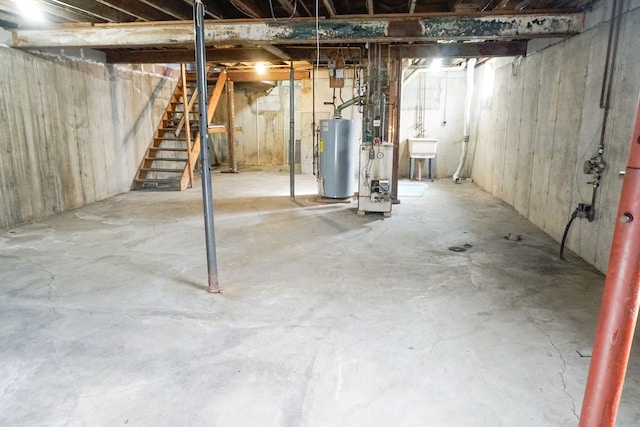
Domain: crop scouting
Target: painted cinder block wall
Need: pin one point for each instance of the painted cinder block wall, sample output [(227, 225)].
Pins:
[(72, 131), (531, 138)]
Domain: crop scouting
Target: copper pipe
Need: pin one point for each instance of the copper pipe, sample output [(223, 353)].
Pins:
[(619, 310)]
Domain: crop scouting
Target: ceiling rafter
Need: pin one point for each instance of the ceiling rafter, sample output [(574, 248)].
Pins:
[(276, 51), (291, 9), (370, 10), (98, 10), (328, 4), (178, 10), (56, 11), (248, 9), (209, 9), (138, 9), (156, 56)]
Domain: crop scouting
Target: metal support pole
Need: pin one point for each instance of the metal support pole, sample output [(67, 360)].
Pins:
[(292, 136), (231, 119), (207, 193), (619, 310)]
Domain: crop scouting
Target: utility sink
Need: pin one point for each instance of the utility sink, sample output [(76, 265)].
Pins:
[(422, 148)]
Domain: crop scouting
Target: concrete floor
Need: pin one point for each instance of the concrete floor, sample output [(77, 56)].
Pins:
[(328, 319)]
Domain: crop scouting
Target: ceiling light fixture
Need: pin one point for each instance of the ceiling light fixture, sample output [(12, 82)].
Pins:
[(261, 67)]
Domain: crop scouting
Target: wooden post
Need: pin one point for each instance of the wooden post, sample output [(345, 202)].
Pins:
[(231, 115)]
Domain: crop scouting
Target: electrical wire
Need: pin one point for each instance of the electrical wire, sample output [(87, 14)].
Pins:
[(317, 37), (295, 8)]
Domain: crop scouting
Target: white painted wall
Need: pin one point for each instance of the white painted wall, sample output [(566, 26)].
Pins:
[(72, 131), (543, 121), (442, 94)]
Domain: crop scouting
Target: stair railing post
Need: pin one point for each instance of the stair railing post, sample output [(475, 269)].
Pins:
[(187, 121)]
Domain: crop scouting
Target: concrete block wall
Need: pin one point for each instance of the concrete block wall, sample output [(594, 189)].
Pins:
[(530, 139), (72, 131)]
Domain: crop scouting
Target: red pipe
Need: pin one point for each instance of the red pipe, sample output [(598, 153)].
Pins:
[(619, 310)]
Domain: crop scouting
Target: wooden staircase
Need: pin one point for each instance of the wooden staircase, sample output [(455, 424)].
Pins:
[(171, 158)]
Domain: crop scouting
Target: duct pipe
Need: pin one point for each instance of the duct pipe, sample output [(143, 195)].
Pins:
[(207, 193), (619, 310), (349, 103), (292, 135), (467, 119)]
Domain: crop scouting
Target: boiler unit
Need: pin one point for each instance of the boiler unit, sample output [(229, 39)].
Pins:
[(337, 158), (376, 172)]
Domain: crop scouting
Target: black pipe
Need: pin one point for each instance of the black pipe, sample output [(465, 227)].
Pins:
[(574, 215), (582, 211)]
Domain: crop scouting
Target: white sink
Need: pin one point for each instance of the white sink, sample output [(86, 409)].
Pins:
[(422, 148)]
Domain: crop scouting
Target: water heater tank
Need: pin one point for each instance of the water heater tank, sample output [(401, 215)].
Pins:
[(337, 149)]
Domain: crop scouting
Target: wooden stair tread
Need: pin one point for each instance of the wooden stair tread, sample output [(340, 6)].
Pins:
[(164, 138), (162, 170), (165, 159), (159, 180), (168, 149)]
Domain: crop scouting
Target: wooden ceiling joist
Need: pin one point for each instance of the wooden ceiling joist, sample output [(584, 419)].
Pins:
[(370, 10), (246, 8), (98, 10), (138, 9), (384, 30), (160, 56), (177, 9), (464, 50), (331, 9)]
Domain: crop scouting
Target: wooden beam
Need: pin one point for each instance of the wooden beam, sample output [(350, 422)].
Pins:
[(383, 30), (412, 6), (138, 9), (289, 7), (246, 8), (309, 53), (464, 50), (174, 56), (176, 9), (273, 74), (209, 9), (276, 51), (100, 11), (58, 13), (328, 4), (370, 7)]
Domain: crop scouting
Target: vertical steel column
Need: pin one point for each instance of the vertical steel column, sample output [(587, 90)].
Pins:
[(231, 119), (292, 135), (207, 193), (619, 310)]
